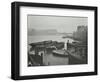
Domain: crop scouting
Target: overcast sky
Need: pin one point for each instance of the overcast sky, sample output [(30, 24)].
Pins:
[(60, 23)]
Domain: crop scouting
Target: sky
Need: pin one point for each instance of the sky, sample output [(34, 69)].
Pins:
[(60, 23)]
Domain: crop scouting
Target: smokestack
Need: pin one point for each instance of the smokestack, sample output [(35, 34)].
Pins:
[(65, 44)]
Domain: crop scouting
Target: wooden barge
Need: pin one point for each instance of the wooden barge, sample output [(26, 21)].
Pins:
[(61, 53)]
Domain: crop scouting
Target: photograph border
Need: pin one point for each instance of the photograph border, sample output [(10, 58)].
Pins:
[(15, 39)]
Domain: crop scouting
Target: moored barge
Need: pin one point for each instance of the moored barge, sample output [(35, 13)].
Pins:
[(62, 53)]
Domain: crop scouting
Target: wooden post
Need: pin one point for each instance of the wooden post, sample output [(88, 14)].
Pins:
[(41, 58)]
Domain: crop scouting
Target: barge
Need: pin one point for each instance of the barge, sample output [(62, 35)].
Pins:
[(61, 53)]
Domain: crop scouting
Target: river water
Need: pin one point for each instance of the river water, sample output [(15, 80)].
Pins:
[(39, 38)]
